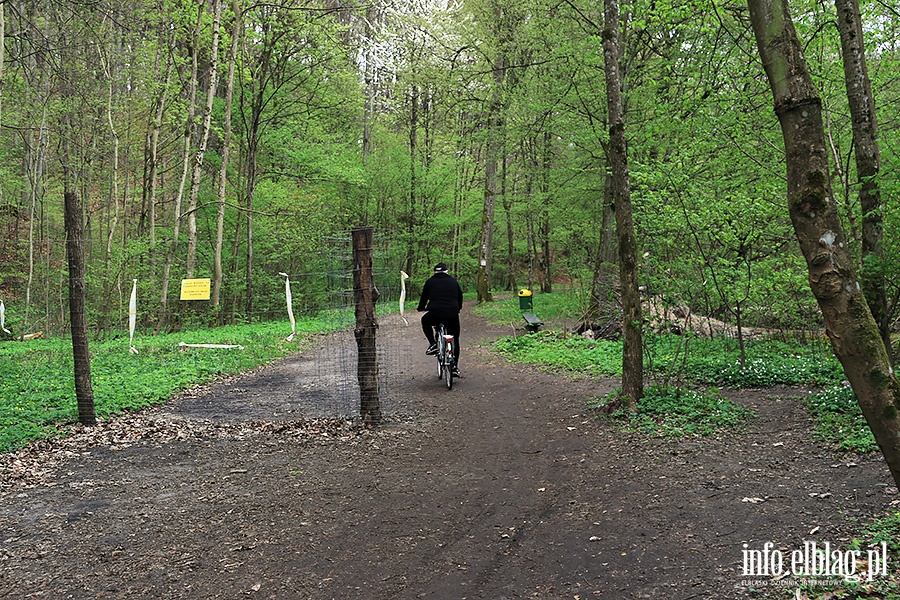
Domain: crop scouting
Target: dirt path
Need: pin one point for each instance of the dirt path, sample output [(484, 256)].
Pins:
[(504, 487)]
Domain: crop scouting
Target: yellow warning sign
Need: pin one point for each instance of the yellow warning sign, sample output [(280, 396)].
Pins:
[(195, 289)]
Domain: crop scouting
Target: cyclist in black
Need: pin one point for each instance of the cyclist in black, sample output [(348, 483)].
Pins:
[(442, 298)]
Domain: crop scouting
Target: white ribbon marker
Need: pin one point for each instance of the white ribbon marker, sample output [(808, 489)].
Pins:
[(3, 317), (403, 278), (290, 308), (132, 317)]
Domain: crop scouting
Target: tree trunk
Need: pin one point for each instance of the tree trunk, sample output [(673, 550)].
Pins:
[(366, 295), (151, 181), (186, 154), (510, 240), (491, 182), (602, 303), (218, 275), (544, 184), (84, 392), (849, 324), (412, 193), (191, 261), (113, 204), (369, 76), (868, 163), (261, 72), (114, 166), (2, 58), (252, 153), (532, 246), (632, 350)]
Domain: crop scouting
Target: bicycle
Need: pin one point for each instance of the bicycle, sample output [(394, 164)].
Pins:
[(445, 357)]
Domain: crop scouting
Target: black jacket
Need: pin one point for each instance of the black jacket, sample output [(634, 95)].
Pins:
[(441, 293)]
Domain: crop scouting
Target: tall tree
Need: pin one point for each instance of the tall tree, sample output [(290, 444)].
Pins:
[(218, 274), (212, 87), (187, 137), (501, 19), (491, 188), (868, 162), (854, 335), (162, 75), (632, 350)]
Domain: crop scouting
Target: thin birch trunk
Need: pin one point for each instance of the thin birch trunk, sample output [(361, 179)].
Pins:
[(162, 322), (223, 171), (114, 175), (191, 262), (35, 193)]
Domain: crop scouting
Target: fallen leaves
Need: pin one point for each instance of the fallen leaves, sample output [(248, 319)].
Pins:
[(38, 462)]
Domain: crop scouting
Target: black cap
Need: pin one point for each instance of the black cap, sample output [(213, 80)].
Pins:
[(440, 268)]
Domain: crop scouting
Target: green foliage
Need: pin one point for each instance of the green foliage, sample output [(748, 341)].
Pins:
[(839, 420), (37, 387), (769, 362), (708, 361), (564, 351), (567, 303), (885, 529), (673, 412), (713, 361)]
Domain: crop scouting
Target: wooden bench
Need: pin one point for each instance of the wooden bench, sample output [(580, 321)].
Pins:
[(532, 323)]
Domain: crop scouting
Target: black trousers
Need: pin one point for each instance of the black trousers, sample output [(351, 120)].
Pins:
[(432, 319)]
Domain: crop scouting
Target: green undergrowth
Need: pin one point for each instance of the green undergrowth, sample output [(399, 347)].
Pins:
[(692, 361), (563, 305), (884, 583), (704, 361), (839, 421), (674, 412), (558, 350), (37, 387)]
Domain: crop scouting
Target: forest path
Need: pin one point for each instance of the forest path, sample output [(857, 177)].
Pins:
[(504, 487)]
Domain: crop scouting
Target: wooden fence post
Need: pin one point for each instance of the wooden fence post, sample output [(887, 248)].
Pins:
[(366, 295), (84, 390)]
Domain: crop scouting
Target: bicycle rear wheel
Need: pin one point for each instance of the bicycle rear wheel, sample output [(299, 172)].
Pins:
[(448, 366), (440, 354)]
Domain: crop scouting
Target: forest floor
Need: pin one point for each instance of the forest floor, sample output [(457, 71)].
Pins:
[(506, 486)]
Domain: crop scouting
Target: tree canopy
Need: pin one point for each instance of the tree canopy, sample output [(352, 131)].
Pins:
[(474, 132)]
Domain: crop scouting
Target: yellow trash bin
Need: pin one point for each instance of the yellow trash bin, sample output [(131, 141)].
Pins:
[(525, 300)]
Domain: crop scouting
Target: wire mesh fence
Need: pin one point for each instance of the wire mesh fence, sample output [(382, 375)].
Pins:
[(328, 375)]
